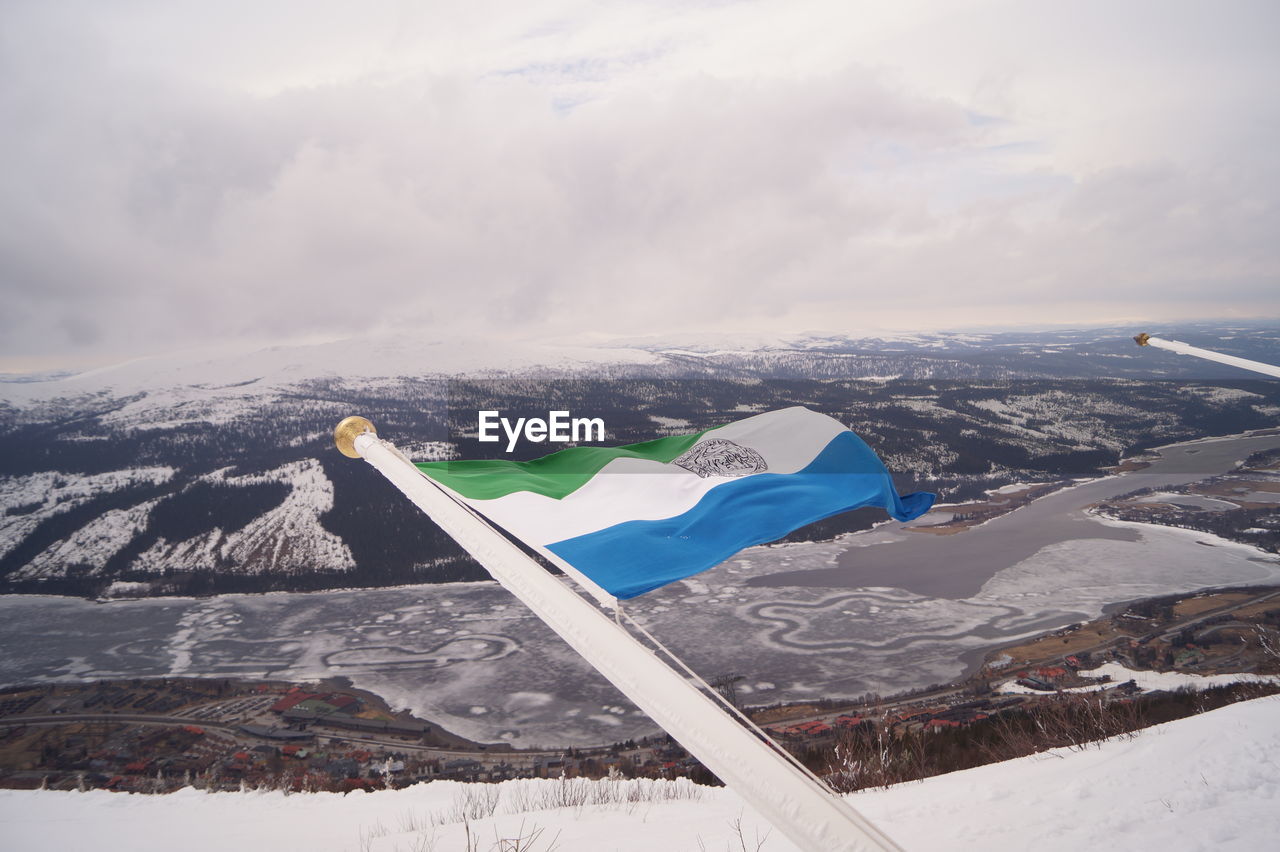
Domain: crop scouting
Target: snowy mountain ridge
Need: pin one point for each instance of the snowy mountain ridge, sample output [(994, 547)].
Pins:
[(253, 371), (249, 370)]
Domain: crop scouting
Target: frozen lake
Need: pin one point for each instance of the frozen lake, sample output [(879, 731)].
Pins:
[(878, 611)]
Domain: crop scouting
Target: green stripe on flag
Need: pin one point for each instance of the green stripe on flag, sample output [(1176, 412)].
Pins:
[(557, 475)]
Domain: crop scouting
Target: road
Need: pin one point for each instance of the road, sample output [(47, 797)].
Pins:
[(128, 718), (233, 731)]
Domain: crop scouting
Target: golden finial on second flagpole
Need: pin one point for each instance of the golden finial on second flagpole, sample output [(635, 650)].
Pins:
[(346, 432)]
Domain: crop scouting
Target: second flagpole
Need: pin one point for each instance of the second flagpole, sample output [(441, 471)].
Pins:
[(1208, 354)]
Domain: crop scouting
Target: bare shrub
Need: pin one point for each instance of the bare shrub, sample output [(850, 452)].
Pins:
[(525, 840), (879, 758), (527, 796), (471, 802), (757, 842)]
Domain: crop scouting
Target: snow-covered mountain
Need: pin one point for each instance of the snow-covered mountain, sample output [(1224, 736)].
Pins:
[(1207, 782), (248, 371), (1089, 353)]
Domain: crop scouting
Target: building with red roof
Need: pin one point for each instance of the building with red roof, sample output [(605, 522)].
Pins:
[(291, 698)]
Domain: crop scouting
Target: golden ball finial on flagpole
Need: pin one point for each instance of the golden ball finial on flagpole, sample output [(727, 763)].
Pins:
[(345, 433)]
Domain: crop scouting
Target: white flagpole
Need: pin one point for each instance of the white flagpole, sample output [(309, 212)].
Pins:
[(1188, 349), (809, 815)]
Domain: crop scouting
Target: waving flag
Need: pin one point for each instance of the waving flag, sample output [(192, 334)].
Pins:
[(632, 518)]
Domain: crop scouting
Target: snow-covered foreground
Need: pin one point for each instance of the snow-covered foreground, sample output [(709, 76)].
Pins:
[(1207, 782), (1201, 783)]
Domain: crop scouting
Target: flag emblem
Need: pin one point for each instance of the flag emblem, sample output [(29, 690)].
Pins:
[(718, 457)]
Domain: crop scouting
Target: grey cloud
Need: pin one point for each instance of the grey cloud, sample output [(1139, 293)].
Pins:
[(136, 206), (447, 198)]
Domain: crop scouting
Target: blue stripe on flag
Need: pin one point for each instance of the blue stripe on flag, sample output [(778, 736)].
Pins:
[(635, 557)]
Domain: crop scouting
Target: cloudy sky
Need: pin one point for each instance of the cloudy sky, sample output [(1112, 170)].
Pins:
[(177, 173)]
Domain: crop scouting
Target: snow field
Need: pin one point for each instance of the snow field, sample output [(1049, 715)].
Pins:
[(26, 501), (288, 538), (574, 814), (1207, 782)]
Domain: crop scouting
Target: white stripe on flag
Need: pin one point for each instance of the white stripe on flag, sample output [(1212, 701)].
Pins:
[(636, 489)]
